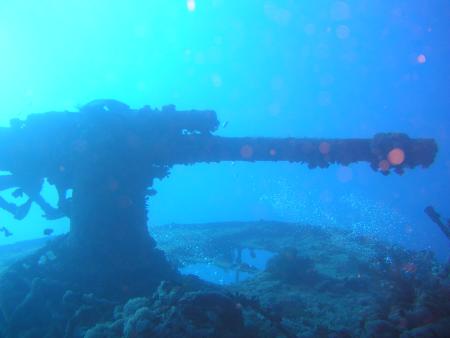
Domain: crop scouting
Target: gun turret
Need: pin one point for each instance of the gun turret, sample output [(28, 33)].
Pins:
[(109, 154), (167, 137), (107, 138)]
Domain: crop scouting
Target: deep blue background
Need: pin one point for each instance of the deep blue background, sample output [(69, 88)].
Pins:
[(273, 68)]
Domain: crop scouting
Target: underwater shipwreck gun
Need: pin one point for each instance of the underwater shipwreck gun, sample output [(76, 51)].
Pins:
[(109, 154), (53, 141)]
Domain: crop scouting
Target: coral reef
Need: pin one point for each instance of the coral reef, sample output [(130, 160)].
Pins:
[(291, 268), (352, 287)]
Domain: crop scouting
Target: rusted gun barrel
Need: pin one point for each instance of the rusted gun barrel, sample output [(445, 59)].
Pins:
[(384, 152)]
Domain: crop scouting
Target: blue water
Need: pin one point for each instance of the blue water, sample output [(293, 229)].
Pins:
[(269, 68)]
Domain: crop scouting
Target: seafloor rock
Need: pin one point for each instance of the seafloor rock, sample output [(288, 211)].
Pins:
[(290, 267), (177, 312), (437, 329), (173, 311), (380, 329), (361, 286)]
